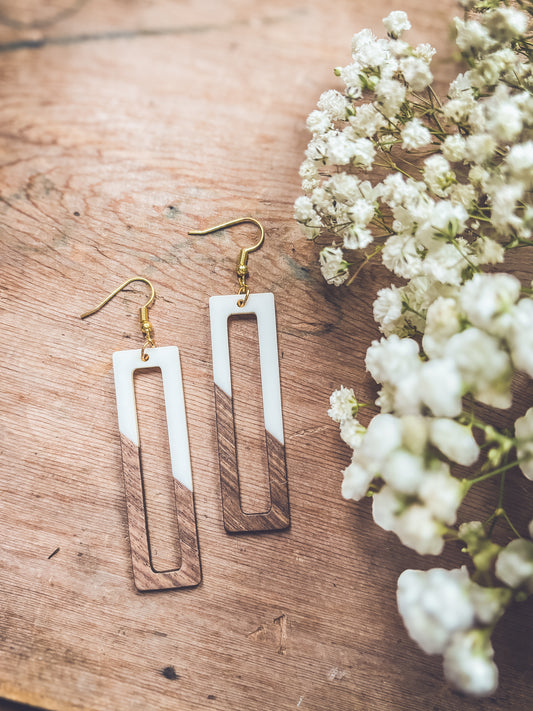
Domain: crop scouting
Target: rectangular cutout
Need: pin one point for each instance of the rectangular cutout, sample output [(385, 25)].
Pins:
[(146, 577), (247, 398), (158, 483)]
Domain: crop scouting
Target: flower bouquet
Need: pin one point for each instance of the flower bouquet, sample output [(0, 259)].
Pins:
[(441, 189)]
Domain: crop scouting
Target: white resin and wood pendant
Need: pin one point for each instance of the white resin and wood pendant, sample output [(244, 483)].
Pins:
[(125, 363), (235, 519)]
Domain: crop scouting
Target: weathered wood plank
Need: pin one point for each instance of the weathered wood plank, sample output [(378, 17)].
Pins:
[(122, 126)]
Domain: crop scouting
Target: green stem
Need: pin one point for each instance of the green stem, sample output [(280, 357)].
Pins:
[(503, 513), (467, 260), (468, 483), (406, 307), (368, 257)]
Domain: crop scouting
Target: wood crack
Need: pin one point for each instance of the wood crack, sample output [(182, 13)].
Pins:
[(113, 35)]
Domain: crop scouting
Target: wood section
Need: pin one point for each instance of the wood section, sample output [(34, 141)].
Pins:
[(144, 574), (123, 126), (235, 519)]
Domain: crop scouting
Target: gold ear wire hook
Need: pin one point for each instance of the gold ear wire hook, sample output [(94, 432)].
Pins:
[(242, 261), (146, 326)]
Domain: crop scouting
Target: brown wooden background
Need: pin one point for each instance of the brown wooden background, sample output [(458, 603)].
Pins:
[(123, 124)]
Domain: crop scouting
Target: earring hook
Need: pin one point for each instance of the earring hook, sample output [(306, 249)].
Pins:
[(146, 326), (242, 262)]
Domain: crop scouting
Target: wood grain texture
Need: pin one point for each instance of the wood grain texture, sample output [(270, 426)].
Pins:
[(277, 516), (122, 126), (145, 575)]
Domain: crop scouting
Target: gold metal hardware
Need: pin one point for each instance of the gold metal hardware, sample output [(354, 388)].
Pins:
[(146, 327), (242, 261)]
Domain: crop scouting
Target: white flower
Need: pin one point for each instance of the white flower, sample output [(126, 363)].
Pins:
[(471, 35), (343, 403), (514, 564), (318, 122), (442, 495), (454, 147), (488, 251), (463, 194), (446, 218), (504, 118), (340, 149), (403, 471), (401, 255), (446, 262), (468, 663), (383, 436), (415, 434), (396, 23), (391, 95), (458, 110), (504, 198), (488, 299), (434, 604), (520, 162), (414, 525), (483, 365), (386, 504), (506, 23), (344, 187), (351, 76), (479, 147), (352, 432), (316, 149), (524, 449), (455, 441), (367, 121), (388, 307), (361, 212), (304, 210), (489, 603), (363, 152), (415, 135), (356, 481), (418, 529), (306, 215), (309, 174), (375, 55), (442, 322), (333, 266), (416, 73), (440, 387), (334, 104), (392, 359), (425, 51), (357, 237), (521, 336), (362, 39), (407, 394), (460, 87), (438, 175)]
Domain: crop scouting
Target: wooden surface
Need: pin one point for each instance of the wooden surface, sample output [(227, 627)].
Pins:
[(122, 126)]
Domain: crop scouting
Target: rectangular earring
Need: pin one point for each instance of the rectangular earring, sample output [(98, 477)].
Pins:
[(125, 364), (221, 308)]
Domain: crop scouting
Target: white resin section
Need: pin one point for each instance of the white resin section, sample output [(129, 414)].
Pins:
[(262, 305), (125, 363)]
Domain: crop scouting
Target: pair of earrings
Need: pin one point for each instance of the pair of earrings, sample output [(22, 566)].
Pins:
[(167, 359)]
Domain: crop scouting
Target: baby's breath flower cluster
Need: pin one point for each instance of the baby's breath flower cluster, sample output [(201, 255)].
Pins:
[(442, 189)]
